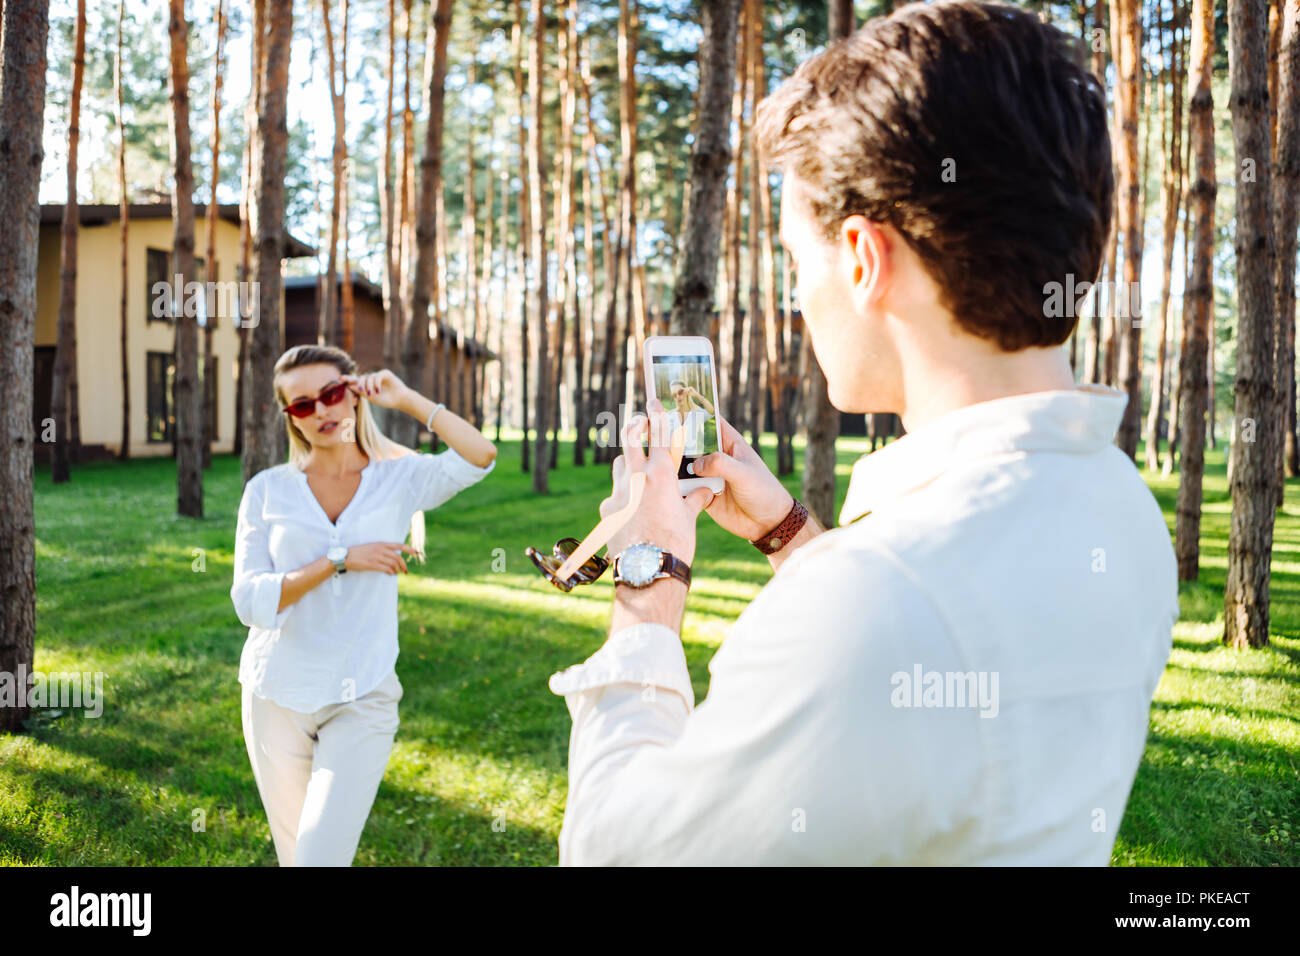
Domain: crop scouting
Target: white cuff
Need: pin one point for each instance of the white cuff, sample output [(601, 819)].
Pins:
[(643, 654)]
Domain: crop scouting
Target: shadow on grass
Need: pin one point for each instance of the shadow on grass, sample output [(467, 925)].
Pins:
[(1202, 799)]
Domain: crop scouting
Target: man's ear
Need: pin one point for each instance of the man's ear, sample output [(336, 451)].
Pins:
[(867, 250)]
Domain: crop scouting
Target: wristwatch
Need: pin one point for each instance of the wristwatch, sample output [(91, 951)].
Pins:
[(641, 564), (339, 555)]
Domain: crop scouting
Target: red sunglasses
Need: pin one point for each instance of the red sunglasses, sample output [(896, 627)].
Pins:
[(332, 395)]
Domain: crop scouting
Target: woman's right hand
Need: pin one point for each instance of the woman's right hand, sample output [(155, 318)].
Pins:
[(385, 556), (753, 501)]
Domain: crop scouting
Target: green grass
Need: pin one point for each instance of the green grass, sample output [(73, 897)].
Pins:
[(483, 741)]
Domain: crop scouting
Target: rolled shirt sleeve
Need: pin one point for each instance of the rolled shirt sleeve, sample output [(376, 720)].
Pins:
[(436, 478), (256, 588)]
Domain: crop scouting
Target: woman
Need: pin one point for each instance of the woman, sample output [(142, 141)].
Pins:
[(685, 414), (318, 549)]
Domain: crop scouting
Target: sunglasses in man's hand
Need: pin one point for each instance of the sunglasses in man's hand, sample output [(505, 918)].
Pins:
[(550, 564)]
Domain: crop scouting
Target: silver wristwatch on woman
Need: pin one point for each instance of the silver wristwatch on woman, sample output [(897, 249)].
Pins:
[(339, 555)]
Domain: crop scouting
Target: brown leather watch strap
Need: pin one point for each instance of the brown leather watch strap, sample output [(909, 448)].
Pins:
[(676, 567), (781, 535)]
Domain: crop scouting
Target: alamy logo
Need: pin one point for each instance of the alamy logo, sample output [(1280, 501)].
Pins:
[(102, 909), (946, 689), (74, 691), (239, 301)]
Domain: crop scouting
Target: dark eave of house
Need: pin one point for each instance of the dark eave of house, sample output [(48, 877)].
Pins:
[(363, 286), (99, 214)]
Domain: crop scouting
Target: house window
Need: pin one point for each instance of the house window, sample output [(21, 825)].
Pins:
[(160, 380), (158, 268), (43, 379), (210, 394)]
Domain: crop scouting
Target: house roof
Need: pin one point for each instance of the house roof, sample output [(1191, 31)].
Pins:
[(364, 286), (98, 214)]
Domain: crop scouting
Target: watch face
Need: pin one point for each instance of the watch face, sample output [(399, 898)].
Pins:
[(336, 554), (639, 564)]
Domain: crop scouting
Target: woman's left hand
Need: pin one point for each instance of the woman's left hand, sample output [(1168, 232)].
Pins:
[(383, 388)]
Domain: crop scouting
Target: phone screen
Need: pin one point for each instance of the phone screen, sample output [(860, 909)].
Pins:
[(684, 385)]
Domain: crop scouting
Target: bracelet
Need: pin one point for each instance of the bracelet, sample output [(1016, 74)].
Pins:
[(784, 533), (437, 407)]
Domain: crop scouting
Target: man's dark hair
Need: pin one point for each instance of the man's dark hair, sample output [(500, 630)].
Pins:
[(975, 130)]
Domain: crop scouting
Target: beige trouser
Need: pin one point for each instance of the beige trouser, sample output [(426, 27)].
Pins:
[(318, 773)]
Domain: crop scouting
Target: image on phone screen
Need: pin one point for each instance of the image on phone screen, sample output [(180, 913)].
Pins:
[(684, 384)]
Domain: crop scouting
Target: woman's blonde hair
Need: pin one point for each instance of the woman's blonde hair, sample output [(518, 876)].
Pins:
[(370, 439)]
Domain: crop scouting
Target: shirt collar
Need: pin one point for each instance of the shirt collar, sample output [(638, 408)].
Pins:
[(1079, 420)]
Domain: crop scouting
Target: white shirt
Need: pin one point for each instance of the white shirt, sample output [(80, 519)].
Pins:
[(1010, 541), (694, 425), (339, 640)]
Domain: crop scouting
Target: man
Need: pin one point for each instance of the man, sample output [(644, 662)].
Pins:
[(961, 673)]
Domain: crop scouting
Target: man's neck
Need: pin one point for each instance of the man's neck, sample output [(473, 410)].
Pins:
[(941, 384)]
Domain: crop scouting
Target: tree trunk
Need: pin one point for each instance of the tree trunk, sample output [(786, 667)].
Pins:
[(841, 18), (256, 62), (1130, 206), (780, 381), (213, 273), (469, 303), (405, 238), (485, 280), (754, 320), (1171, 198), (1198, 300), (415, 348), (444, 373), (347, 305), (390, 284), (264, 434), (823, 420), (733, 400), (1286, 185), (697, 267), (525, 232), (64, 391), (22, 107), (627, 45), (1253, 457), (347, 298), (611, 253), (564, 209), (330, 328), (189, 403), (585, 316), (1176, 393), (536, 174), (506, 272), (123, 211)]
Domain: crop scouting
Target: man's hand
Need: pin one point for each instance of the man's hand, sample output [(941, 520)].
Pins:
[(664, 518), (753, 502)]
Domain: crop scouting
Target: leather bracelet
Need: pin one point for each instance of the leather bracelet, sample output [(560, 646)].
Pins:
[(782, 534)]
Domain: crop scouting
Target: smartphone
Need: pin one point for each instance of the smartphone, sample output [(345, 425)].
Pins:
[(681, 373)]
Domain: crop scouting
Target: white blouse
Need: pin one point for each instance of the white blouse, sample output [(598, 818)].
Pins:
[(339, 640)]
